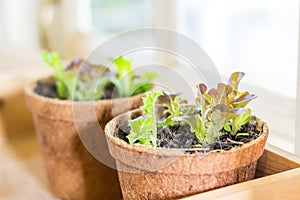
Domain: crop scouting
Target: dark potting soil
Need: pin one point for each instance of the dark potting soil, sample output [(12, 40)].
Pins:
[(179, 136), (47, 88)]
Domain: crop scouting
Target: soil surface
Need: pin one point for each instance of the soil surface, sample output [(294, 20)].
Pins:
[(179, 136), (47, 88)]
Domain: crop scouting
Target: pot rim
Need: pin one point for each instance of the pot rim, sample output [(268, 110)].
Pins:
[(29, 89), (58, 109), (139, 148)]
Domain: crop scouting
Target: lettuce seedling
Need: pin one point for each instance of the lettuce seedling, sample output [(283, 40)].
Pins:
[(83, 81), (79, 81), (64, 80), (90, 81), (213, 114), (144, 128), (237, 122), (175, 107), (238, 100), (221, 107), (127, 83)]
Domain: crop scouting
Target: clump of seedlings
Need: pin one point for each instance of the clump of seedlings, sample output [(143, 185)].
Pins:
[(83, 81), (218, 120)]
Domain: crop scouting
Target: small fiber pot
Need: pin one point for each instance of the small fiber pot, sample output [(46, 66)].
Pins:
[(67, 133), (160, 173)]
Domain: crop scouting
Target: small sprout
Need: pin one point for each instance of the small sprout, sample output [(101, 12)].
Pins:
[(242, 134), (175, 107), (79, 81), (240, 120), (144, 128), (221, 107), (83, 81), (127, 82)]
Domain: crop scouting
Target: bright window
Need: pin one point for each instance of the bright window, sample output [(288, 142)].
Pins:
[(258, 37), (115, 16)]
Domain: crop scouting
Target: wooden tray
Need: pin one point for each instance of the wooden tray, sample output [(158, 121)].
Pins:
[(22, 175), (277, 177)]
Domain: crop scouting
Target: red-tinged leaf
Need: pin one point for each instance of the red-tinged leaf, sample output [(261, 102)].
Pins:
[(202, 88), (221, 114), (235, 79), (246, 97), (238, 111), (75, 64), (243, 100), (166, 98), (219, 95)]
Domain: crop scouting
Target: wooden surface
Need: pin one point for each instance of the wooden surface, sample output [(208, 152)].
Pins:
[(281, 180), (275, 160), (22, 175), (281, 186)]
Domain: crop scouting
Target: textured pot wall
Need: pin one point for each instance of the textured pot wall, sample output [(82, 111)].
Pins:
[(73, 172), (172, 186), (156, 173)]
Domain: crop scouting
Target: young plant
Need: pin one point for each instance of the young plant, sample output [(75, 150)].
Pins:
[(144, 128), (64, 80), (79, 81), (214, 113), (175, 107), (238, 100), (127, 83), (218, 108), (83, 81), (236, 123)]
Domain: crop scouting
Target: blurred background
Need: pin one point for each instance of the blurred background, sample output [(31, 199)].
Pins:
[(258, 37)]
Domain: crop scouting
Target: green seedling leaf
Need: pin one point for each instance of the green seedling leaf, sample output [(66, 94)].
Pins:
[(144, 128), (242, 134), (227, 127), (140, 131), (195, 124), (127, 82), (80, 80), (197, 127), (53, 60), (221, 114), (175, 107), (240, 120)]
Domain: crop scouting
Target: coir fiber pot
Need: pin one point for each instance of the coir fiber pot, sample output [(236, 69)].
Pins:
[(157, 173), (72, 171)]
